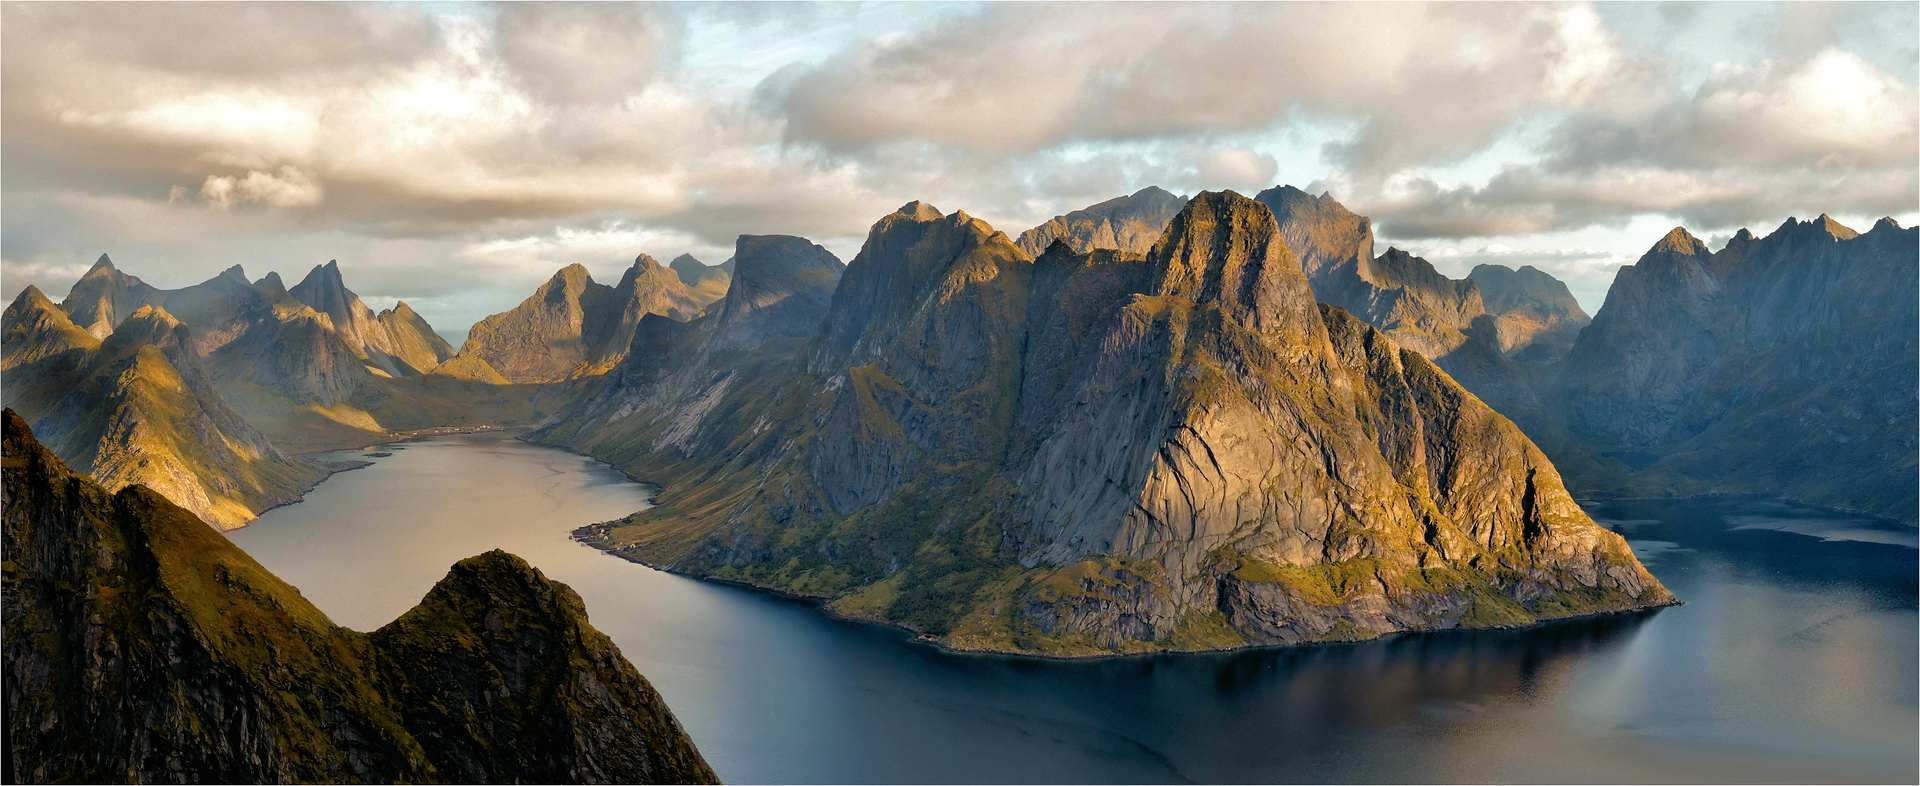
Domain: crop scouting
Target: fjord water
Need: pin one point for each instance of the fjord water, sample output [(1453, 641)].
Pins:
[(1794, 658)]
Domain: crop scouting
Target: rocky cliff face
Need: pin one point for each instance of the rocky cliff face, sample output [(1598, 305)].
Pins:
[(1396, 292), (139, 409), (143, 647), (1535, 318), (1128, 223), (1782, 364), (706, 283), (573, 326), (1097, 453)]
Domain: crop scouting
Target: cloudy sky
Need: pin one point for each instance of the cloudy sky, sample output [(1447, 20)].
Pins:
[(454, 155)]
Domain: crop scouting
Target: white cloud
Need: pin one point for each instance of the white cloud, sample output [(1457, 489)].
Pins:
[(288, 188)]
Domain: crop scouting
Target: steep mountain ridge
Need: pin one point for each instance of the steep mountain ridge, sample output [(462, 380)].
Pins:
[(573, 326), (1088, 454), (139, 408), (1701, 366), (396, 344), (143, 646), (1396, 292), (1129, 223)]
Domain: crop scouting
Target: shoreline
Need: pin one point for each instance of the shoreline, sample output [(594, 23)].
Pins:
[(819, 603)]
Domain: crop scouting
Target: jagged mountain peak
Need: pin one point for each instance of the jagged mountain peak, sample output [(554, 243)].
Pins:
[(1680, 241), (271, 282), (321, 279), (33, 298), (236, 273), (1224, 247), (35, 329), (573, 276), (918, 211), (1838, 230), (103, 263), (1886, 222)]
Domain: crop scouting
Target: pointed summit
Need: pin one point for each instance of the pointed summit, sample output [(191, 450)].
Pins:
[(103, 263), (147, 325), (271, 282), (1225, 248), (918, 211), (325, 291), (35, 329), (1679, 241), (1836, 229)]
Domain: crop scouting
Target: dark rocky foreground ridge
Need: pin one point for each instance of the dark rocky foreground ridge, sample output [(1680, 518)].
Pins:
[(142, 646), (1093, 453)]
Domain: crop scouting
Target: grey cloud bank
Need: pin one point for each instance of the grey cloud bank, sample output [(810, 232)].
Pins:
[(455, 155)]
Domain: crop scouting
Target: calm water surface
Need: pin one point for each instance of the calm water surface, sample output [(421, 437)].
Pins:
[(1793, 660)]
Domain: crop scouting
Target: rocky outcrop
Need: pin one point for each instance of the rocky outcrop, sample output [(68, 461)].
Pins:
[(705, 283), (1535, 318), (1782, 364), (573, 326), (144, 647), (1129, 223), (140, 409), (1098, 453)]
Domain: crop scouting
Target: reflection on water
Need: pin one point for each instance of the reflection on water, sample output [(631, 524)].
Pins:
[(1794, 658)]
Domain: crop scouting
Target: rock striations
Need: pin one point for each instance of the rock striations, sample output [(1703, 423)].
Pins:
[(139, 408), (1094, 453), (144, 647)]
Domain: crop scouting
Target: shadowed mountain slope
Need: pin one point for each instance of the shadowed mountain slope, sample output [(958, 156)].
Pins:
[(1101, 453), (705, 283), (1535, 317), (1783, 364), (144, 647)]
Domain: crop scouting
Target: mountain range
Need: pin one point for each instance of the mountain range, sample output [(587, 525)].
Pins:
[(1091, 453), (1181, 424), (1695, 369)]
